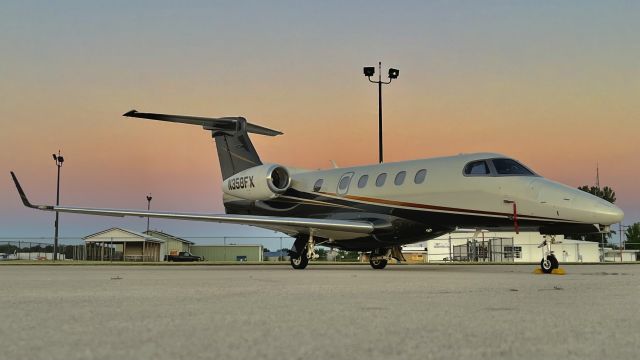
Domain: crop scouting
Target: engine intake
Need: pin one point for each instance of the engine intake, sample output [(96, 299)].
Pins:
[(262, 182)]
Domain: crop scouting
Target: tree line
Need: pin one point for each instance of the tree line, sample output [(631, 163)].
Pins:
[(632, 232)]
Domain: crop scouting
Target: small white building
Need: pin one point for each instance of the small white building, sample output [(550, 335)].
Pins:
[(616, 255), (122, 244), (490, 246)]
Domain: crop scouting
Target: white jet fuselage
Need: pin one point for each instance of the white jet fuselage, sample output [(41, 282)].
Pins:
[(438, 194)]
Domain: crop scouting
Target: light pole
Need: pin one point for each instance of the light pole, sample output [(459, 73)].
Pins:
[(59, 160), (393, 74), (148, 209)]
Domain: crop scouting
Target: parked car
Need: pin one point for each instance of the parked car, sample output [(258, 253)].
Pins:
[(183, 256)]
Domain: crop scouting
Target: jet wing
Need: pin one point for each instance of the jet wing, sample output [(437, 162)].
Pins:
[(290, 225)]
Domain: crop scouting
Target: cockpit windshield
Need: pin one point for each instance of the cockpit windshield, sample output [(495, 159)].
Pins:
[(496, 167), (510, 167)]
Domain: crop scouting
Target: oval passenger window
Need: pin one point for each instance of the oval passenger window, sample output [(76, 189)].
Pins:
[(318, 185), (362, 182), (420, 176), (399, 180), (381, 179)]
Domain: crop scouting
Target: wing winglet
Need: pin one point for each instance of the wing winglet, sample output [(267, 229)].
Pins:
[(24, 198)]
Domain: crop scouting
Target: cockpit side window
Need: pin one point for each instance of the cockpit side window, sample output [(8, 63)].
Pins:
[(477, 168), (510, 167)]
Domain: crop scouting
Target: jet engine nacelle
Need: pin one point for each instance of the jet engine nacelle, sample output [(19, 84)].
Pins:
[(262, 182)]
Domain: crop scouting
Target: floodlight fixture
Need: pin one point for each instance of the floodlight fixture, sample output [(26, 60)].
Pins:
[(369, 71)]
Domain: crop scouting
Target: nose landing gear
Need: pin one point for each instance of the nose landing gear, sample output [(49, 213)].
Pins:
[(549, 264), (549, 261)]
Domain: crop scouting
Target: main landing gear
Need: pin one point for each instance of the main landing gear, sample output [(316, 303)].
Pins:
[(378, 264), (549, 261), (302, 250), (379, 258), (300, 262)]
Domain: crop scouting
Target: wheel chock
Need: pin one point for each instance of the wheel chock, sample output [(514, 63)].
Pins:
[(558, 271)]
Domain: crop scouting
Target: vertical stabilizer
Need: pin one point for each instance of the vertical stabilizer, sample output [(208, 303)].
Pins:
[(235, 150)]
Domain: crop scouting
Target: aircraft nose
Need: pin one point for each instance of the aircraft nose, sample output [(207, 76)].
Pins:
[(608, 213)]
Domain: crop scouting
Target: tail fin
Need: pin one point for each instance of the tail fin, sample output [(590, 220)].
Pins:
[(235, 150)]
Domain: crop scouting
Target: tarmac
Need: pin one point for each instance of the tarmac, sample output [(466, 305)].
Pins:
[(323, 312)]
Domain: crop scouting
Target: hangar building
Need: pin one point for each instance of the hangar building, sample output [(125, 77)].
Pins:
[(229, 252), (122, 245), (172, 244), (501, 247)]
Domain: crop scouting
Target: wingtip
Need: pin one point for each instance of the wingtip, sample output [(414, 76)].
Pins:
[(130, 113), (23, 196)]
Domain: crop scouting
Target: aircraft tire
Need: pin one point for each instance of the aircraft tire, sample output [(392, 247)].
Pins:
[(378, 264), (299, 262), (547, 265)]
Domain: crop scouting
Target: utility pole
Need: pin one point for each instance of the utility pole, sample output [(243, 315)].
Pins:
[(623, 244), (148, 209), (369, 71), (620, 245), (59, 160)]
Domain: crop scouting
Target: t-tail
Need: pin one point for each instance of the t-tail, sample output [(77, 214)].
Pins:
[(235, 150)]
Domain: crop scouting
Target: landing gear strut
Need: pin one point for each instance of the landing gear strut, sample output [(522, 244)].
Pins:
[(549, 261)]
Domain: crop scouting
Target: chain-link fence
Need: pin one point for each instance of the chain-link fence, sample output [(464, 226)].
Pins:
[(28, 249), (232, 248), (146, 248), (486, 250), (501, 249)]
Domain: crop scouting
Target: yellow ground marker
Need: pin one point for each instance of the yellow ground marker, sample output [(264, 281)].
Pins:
[(558, 271)]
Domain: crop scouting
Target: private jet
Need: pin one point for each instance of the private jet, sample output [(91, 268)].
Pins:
[(376, 209)]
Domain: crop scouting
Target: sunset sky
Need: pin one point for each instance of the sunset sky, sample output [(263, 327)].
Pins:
[(555, 84)]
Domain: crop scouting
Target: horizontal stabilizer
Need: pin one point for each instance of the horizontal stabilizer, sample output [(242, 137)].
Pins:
[(230, 124)]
